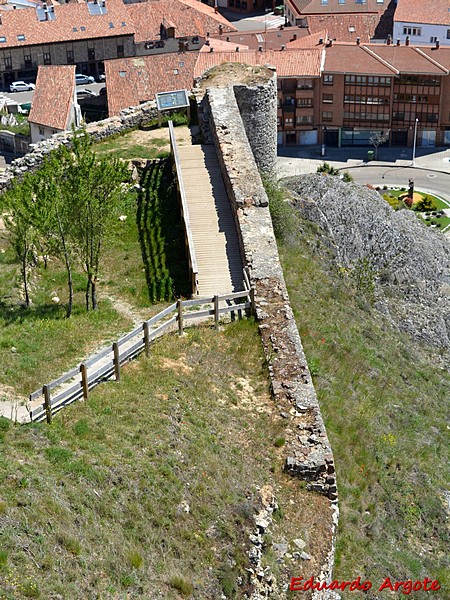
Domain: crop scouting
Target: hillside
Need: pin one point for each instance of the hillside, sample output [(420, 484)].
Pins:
[(368, 288)]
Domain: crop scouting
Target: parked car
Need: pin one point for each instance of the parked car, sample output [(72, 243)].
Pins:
[(21, 86), (101, 77), (102, 91), (81, 79), (82, 94)]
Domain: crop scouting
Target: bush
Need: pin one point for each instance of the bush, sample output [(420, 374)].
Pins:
[(327, 169), (394, 202), (348, 178), (427, 204)]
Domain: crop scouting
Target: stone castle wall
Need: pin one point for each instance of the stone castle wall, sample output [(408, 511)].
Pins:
[(308, 451)]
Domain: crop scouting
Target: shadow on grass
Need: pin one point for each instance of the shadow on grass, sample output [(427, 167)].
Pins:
[(11, 314), (161, 234)]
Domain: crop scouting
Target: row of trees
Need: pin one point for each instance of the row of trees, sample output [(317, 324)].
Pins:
[(66, 210)]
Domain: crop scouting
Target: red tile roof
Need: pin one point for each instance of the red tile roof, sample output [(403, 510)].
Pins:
[(272, 39), (342, 58), (309, 41), (345, 28), (53, 97), (408, 59), (311, 7), (220, 45), (435, 12), (131, 81), (289, 63), (71, 22), (189, 17)]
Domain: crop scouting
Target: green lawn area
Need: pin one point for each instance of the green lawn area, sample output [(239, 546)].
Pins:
[(38, 344), (439, 203), (384, 404), (148, 489), (441, 221)]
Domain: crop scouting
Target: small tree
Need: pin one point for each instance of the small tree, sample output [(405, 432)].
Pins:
[(377, 140)]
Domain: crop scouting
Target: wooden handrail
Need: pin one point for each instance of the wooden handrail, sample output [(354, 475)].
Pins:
[(184, 209)]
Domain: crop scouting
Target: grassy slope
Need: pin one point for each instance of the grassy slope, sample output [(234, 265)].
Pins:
[(47, 344), (384, 407), (94, 505)]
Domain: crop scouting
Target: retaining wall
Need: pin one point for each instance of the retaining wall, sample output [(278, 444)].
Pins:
[(128, 119)]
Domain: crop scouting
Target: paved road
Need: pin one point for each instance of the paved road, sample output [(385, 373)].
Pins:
[(257, 21), (24, 97), (428, 181)]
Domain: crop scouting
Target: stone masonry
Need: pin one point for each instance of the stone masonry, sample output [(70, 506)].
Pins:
[(308, 452)]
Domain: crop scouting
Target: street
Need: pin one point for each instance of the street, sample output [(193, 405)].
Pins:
[(24, 97)]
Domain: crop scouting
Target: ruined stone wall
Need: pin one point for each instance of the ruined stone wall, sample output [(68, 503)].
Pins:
[(128, 119), (308, 452), (258, 108)]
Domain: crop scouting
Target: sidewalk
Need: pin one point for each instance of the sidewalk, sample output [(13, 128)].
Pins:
[(432, 159)]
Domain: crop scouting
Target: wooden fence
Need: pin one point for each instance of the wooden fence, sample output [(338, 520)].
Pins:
[(77, 383), (192, 259)]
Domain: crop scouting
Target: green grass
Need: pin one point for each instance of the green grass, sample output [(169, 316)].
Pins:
[(38, 344), (383, 401), (441, 222), (150, 486), (22, 127)]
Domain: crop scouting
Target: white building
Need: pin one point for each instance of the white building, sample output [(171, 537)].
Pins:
[(422, 22)]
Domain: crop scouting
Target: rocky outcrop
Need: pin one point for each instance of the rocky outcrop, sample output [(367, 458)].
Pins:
[(408, 263)]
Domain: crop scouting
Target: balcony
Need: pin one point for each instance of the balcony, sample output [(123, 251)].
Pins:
[(304, 93), (288, 108)]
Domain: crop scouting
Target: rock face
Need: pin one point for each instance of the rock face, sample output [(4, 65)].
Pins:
[(408, 262)]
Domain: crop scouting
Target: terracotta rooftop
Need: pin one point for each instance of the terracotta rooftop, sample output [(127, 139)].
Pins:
[(289, 63), (345, 28), (377, 59), (53, 97), (309, 41), (311, 7), (435, 12), (220, 45), (188, 17), (68, 22), (131, 81), (272, 39)]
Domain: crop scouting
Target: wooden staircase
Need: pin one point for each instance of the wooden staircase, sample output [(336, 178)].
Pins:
[(212, 222)]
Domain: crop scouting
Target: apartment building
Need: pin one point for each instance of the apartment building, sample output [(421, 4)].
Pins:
[(84, 34)]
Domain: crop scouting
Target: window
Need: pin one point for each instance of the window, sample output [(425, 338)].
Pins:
[(327, 98), (8, 62), (41, 131), (2, 39), (47, 59), (304, 84), (288, 121), (434, 39), (70, 58), (91, 54), (27, 60), (304, 102), (21, 37), (324, 1), (341, 1), (417, 31), (304, 120), (327, 116), (328, 79), (448, 34), (120, 52)]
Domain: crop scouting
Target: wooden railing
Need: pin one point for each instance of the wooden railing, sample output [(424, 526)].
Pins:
[(77, 383), (192, 260)]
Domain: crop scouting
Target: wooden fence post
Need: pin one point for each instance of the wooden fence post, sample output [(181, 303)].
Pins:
[(84, 380), (47, 404), (147, 339), (180, 316), (216, 312), (252, 301), (116, 361)]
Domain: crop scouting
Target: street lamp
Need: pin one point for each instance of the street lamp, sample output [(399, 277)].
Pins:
[(414, 142)]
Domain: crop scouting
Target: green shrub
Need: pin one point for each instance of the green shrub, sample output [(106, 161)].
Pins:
[(347, 177), (394, 202), (183, 585), (427, 204), (279, 442)]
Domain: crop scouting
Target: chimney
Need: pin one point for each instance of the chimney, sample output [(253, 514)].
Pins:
[(294, 37), (330, 43), (228, 38), (259, 48), (211, 49), (389, 40), (320, 41), (0, 19), (438, 43), (220, 29), (237, 48), (283, 47), (358, 41), (398, 42), (407, 40), (207, 43)]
